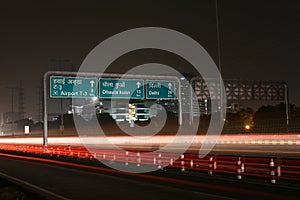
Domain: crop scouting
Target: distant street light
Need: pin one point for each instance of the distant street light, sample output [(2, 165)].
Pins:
[(247, 127)]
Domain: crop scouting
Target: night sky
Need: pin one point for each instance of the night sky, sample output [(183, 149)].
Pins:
[(259, 39)]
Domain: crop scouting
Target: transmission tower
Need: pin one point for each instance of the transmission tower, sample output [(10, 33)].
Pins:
[(40, 102), (21, 101)]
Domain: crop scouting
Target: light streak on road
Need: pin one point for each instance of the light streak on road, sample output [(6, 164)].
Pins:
[(268, 139)]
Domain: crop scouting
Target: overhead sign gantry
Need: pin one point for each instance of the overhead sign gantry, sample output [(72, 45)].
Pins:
[(81, 87), (109, 86)]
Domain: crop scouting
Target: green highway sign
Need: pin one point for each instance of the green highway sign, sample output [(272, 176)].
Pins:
[(160, 89), (121, 88), (73, 87)]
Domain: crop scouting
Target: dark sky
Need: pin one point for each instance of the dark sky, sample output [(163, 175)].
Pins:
[(260, 39)]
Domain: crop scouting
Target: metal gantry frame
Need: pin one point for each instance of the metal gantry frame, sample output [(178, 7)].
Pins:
[(105, 75), (240, 90)]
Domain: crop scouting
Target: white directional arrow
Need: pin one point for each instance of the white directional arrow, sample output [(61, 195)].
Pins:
[(138, 84), (92, 82), (170, 86)]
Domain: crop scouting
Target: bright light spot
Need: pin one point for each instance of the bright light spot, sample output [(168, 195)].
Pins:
[(247, 127), (267, 142), (282, 142), (259, 142), (95, 98)]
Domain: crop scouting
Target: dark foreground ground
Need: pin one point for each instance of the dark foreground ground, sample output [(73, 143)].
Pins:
[(11, 191)]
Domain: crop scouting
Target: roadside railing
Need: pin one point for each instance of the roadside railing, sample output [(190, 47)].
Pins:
[(240, 166)]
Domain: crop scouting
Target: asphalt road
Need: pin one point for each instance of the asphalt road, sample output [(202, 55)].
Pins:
[(61, 182), (64, 182)]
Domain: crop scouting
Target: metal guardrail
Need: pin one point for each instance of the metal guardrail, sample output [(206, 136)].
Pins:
[(240, 166)]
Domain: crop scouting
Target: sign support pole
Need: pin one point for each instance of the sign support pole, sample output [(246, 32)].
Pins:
[(45, 136), (287, 106)]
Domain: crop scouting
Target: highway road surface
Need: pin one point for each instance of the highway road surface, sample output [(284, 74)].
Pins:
[(63, 180)]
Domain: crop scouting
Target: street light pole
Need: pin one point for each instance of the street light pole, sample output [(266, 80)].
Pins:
[(218, 36), (222, 103)]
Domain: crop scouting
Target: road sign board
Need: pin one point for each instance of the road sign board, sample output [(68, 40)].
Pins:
[(73, 87), (121, 88), (160, 89)]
